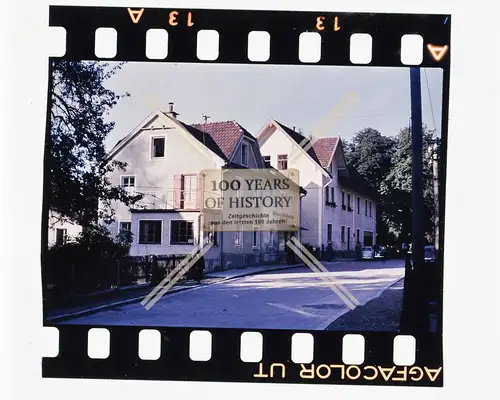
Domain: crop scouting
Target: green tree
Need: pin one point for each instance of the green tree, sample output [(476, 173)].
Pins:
[(396, 189), (80, 103), (371, 155)]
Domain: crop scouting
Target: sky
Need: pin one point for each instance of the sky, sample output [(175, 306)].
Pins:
[(301, 96)]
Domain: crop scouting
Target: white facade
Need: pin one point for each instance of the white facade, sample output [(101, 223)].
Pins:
[(168, 181), (318, 217), (61, 231)]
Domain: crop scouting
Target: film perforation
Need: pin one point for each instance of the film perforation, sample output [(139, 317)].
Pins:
[(404, 350), (386, 36), (302, 349), (225, 353), (353, 349)]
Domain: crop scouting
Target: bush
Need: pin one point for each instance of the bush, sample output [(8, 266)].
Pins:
[(89, 263)]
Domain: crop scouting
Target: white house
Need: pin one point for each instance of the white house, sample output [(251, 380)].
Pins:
[(61, 231), (164, 157), (339, 207)]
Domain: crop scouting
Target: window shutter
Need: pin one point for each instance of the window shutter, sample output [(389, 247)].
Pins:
[(177, 190), (199, 192)]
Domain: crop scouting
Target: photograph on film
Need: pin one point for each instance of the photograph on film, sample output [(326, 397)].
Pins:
[(242, 196)]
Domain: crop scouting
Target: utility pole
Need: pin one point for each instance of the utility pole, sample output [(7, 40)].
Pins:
[(414, 311), (435, 177)]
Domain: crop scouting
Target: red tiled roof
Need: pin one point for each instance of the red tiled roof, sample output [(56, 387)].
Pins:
[(225, 134), (204, 138), (324, 148)]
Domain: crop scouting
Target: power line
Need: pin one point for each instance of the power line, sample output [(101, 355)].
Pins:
[(430, 98)]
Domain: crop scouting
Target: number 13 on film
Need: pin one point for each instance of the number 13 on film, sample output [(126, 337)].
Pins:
[(172, 18), (320, 21)]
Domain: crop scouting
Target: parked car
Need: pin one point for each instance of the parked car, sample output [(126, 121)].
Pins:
[(367, 253), (380, 252), (429, 254)]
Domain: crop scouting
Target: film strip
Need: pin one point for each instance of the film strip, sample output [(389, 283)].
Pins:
[(337, 32)]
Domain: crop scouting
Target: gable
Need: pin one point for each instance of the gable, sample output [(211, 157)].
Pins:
[(159, 123), (298, 142)]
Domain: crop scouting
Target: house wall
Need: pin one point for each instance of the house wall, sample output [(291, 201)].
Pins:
[(316, 215), (310, 178), (72, 230), (154, 177)]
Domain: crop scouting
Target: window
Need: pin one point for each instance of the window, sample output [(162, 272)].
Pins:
[(329, 233), (366, 208), (357, 235), (61, 236), (181, 232), (282, 161), (213, 238), (359, 205), (272, 239), (333, 195), (244, 155), (370, 208), (342, 234), (343, 200), (349, 200), (267, 160), (327, 193), (149, 232), (128, 182), (237, 238), (255, 238), (125, 226), (158, 147), (188, 191)]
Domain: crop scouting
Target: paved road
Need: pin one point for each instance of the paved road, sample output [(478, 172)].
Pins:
[(288, 299)]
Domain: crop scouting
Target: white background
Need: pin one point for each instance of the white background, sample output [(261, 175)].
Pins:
[(471, 279)]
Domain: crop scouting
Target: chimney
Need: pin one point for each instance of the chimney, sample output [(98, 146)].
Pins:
[(293, 127), (171, 112)]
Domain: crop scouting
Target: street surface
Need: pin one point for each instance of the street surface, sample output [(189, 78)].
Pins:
[(294, 298)]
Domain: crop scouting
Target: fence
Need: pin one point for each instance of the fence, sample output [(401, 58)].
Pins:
[(67, 279)]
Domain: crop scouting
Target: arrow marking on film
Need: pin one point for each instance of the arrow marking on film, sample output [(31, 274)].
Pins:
[(437, 52), (135, 15)]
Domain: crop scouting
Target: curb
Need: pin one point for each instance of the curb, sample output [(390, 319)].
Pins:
[(94, 310)]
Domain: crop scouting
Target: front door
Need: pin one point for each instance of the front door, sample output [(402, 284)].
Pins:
[(348, 238)]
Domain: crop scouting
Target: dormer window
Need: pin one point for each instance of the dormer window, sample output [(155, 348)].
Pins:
[(158, 147), (267, 161), (244, 155)]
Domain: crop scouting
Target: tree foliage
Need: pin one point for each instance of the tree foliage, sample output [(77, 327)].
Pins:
[(371, 154), (396, 189), (79, 170), (386, 163)]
